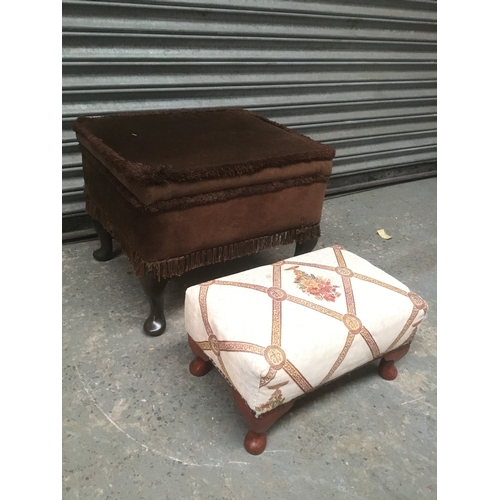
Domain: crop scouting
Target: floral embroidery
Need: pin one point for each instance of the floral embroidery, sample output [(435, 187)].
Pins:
[(276, 399), (317, 286)]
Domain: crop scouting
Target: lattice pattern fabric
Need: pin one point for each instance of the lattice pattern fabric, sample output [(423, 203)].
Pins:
[(279, 331)]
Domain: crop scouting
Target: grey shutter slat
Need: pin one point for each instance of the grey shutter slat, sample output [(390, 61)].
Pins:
[(158, 19), (192, 47), (117, 75), (360, 75), (419, 10)]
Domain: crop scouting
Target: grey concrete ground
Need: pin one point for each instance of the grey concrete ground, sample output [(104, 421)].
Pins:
[(137, 425)]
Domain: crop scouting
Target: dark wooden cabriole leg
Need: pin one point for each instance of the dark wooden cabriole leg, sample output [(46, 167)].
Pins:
[(154, 289), (201, 365), (307, 246), (386, 368), (106, 251), (256, 439)]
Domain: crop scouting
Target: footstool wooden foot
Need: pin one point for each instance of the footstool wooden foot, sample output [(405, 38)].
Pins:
[(386, 368), (154, 289), (307, 246), (201, 365), (255, 443), (106, 251), (256, 440)]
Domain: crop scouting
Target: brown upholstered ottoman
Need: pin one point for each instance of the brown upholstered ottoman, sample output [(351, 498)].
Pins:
[(183, 189)]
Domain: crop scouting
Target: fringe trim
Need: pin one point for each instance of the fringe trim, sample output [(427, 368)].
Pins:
[(179, 265), (147, 175), (205, 198)]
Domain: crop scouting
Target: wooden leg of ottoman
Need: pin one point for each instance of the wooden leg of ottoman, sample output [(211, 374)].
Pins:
[(106, 251), (155, 324), (386, 368), (256, 440), (307, 246), (201, 365)]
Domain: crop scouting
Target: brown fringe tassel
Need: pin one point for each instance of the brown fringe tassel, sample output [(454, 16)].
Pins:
[(179, 265), (152, 175), (199, 199)]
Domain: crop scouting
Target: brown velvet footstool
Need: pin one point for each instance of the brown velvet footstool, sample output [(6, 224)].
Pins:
[(183, 189)]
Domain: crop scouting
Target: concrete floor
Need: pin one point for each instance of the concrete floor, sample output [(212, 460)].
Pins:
[(137, 425)]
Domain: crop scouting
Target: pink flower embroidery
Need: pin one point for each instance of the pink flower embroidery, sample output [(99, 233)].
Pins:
[(317, 286)]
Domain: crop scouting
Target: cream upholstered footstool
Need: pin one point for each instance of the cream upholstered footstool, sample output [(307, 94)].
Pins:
[(279, 331)]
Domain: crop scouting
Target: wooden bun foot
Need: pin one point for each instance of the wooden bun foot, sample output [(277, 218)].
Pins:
[(256, 440), (199, 367), (386, 368), (255, 443), (201, 364)]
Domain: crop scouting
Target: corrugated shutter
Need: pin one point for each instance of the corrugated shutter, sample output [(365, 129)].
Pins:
[(360, 75)]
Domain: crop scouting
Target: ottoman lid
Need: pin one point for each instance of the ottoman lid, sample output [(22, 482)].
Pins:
[(155, 147)]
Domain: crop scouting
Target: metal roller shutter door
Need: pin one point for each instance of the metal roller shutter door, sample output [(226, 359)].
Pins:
[(357, 74)]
